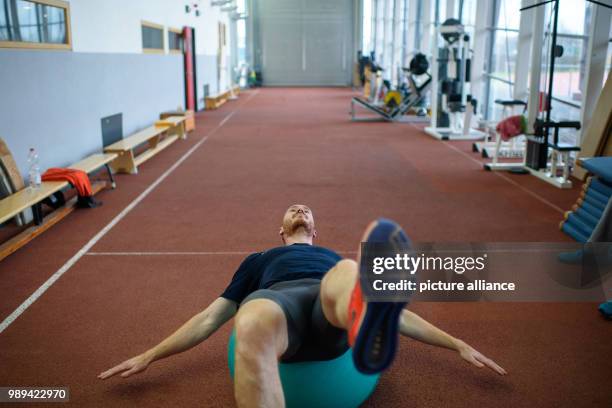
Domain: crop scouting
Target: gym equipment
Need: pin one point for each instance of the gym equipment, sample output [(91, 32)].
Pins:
[(511, 149), (537, 154), (591, 204), (538, 144), (397, 102), (453, 108), (320, 384)]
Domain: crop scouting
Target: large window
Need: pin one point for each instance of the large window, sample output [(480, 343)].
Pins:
[(152, 38), (608, 59), (568, 85), (241, 32), (175, 41), (570, 69), (366, 38), (501, 66), (35, 24), (379, 29)]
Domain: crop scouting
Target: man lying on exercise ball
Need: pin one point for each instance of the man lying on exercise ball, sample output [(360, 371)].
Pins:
[(301, 302)]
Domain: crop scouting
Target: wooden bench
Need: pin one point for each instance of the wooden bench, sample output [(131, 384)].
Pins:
[(215, 101), (189, 118), (158, 137), (33, 198)]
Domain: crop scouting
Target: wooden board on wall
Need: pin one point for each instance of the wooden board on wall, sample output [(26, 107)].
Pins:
[(11, 177), (10, 167), (597, 141)]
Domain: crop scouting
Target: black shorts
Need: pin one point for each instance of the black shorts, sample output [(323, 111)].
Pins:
[(311, 336)]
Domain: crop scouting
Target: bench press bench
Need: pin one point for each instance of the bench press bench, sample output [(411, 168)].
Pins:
[(26, 198), (159, 136)]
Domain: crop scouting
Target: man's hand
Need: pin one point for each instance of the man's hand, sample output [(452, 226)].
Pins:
[(474, 357), (128, 367)]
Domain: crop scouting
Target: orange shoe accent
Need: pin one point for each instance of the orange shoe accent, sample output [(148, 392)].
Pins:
[(356, 310)]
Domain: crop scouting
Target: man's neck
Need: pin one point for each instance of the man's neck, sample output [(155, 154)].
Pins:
[(299, 238)]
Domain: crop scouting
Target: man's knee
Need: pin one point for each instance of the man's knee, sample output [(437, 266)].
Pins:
[(260, 326), (336, 280)]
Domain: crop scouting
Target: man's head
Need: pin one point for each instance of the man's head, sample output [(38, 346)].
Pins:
[(298, 221)]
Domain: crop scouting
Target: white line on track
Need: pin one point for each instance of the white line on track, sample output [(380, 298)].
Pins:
[(45, 286)]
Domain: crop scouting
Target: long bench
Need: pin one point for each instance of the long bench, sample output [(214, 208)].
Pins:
[(33, 198), (215, 101), (165, 132)]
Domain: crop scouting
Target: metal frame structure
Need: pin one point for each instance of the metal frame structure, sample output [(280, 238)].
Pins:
[(460, 127)]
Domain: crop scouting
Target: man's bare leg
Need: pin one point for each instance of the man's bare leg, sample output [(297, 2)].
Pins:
[(337, 286), (261, 338)]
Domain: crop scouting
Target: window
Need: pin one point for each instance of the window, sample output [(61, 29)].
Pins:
[(152, 37), (366, 40), (503, 57), (175, 40), (379, 30), (468, 13), (241, 43), (241, 32), (35, 24), (608, 59), (570, 69)]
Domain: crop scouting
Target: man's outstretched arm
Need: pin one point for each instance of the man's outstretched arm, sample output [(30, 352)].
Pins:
[(414, 326), (192, 333)]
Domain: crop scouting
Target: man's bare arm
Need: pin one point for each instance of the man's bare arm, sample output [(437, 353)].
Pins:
[(192, 333), (414, 326)]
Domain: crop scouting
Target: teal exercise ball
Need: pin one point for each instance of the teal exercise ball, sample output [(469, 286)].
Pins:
[(320, 384)]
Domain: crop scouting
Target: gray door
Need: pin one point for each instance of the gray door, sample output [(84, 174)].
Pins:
[(304, 42)]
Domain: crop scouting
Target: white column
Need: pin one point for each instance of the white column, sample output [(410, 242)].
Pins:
[(521, 66), (481, 33), (536, 64), (595, 63), (451, 11), (427, 25), (411, 33)]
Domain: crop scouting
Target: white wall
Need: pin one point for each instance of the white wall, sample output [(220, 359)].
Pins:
[(54, 100), (113, 26)]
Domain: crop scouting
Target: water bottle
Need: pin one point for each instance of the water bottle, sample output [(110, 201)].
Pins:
[(34, 169)]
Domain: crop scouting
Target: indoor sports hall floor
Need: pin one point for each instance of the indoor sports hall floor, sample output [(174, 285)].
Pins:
[(115, 280)]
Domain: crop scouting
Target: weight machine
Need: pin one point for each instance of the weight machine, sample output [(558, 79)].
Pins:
[(497, 148), (397, 102), (453, 108), (543, 156)]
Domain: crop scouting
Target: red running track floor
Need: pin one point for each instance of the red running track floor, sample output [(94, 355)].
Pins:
[(281, 146)]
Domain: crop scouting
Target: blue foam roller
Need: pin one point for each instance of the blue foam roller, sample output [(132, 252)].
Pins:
[(600, 166), (594, 204), (574, 233), (586, 217), (600, 186), (579, 224), (602, 199), (595, 212)]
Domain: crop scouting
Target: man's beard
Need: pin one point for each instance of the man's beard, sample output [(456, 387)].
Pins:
[(300, 223)]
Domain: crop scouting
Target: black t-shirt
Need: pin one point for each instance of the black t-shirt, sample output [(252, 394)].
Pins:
[(263, 269)]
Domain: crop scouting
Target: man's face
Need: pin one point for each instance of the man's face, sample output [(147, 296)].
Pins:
[(298, 216)]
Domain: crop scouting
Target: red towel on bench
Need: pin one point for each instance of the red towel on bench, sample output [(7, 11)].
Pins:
[(511, 127), (77, 178)]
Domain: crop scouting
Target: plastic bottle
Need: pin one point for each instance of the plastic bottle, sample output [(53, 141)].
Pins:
[(34, 169)]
